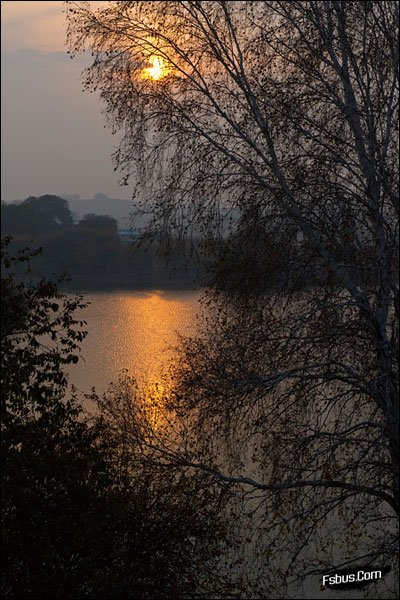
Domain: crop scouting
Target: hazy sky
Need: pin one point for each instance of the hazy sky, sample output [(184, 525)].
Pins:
[(53, 135)]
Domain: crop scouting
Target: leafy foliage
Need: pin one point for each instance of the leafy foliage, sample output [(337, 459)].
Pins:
[(39, 337), (76, 522)]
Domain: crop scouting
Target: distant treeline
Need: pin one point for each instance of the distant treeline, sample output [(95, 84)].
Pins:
[(90, 252), (258, 254)]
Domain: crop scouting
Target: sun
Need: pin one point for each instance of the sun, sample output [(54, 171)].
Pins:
[(158, 68)]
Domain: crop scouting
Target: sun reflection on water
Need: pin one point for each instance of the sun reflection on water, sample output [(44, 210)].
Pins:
[(136, 332)]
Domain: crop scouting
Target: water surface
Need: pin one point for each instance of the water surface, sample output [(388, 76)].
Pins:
[(136, 331)]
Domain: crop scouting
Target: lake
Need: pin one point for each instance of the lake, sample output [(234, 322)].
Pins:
[(131, 330)]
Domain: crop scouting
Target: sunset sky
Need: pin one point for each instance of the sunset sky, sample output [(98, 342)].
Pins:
[(53, 135)]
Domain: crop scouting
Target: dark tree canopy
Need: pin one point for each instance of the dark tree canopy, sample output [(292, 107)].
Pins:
[(53, 209), (92, 243), (36, 215), (99, 222), (78, 519)]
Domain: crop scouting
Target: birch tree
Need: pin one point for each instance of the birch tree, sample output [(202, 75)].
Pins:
[(287, 111)]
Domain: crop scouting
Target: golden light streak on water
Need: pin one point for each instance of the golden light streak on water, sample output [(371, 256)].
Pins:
[(136, 332)]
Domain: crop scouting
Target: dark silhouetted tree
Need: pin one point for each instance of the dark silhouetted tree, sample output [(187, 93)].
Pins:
[(78, 519), (286, 109)]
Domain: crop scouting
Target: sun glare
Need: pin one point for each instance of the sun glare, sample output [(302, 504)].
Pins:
[(158, 68)]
